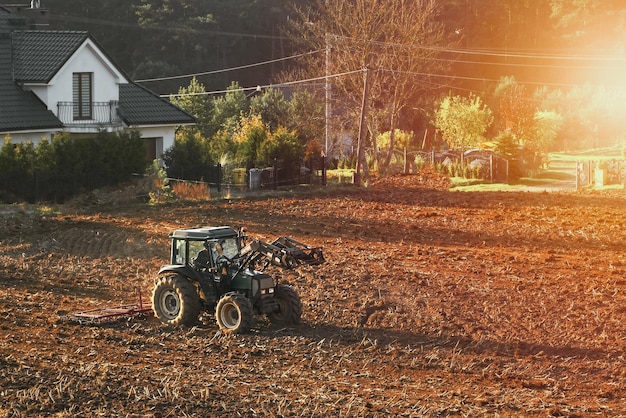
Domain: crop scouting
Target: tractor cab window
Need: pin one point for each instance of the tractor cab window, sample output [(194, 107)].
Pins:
[(230, 247), (196, 249), (227, 247), (179, 252)]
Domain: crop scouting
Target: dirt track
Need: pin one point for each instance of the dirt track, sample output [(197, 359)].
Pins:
[(431, 303)]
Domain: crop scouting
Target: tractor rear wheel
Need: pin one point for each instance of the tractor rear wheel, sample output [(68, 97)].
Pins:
[(234, 313), (175, 301), (290, 306)]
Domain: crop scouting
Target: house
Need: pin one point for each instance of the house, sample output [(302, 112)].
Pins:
[(63, 81)]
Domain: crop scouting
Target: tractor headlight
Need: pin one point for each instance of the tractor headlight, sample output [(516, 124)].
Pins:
[(267, 291)]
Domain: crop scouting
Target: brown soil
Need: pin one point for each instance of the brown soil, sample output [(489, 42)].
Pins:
[(431, 303)]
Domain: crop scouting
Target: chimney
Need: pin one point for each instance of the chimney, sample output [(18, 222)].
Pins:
[(36, 16)]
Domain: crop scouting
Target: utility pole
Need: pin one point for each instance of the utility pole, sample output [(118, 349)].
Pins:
[(327, 88), (357, 175)]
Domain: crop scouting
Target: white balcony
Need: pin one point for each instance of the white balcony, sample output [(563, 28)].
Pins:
[(89, 118)]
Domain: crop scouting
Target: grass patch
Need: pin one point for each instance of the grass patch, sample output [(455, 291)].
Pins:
[(598, 154), (551, 175), (340, 175), (21, 209), (186, 190), (476, 186)]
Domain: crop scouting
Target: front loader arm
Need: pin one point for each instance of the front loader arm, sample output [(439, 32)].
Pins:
[(283, 252)]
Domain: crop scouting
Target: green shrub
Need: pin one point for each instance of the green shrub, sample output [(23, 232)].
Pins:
[(64, 167), (189, 158)]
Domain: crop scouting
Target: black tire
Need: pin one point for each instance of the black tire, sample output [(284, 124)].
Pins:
[(175, 301), (234, 313), (290, 306)]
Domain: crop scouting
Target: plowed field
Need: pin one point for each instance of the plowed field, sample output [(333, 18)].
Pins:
[(431, 303)]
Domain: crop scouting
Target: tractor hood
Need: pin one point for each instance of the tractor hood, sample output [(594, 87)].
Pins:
[(247, 279)]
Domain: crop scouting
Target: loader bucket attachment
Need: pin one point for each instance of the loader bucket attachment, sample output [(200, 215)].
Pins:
[(296, 252), (283, 252)]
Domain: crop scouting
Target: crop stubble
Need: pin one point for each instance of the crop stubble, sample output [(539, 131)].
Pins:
[(431, 303)]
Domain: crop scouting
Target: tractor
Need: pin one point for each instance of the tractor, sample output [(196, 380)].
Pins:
[(216, 269)]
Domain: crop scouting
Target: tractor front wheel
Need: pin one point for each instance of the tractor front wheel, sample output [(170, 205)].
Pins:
[(175, 301), (234, 313), (289, 306)]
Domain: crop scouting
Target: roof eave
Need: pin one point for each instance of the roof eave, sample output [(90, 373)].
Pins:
[(157, 125), (26, 129)]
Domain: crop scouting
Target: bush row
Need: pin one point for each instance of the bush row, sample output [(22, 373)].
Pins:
[(56, 170)]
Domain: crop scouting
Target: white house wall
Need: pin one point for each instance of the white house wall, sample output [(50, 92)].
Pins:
[(22, 137), (40, 91), (167, 133), (87, 59)]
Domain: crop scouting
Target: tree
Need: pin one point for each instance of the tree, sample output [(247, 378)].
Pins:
[(463, 121), (228, 109), (272, 107), (248, 138), (225, 121), (194, 100), (547, 126), (516, 110), (177, 30), (306, 117), (403, 140), (113, 23), (189, 158), (398, 40), (590, 23), (283, 146)]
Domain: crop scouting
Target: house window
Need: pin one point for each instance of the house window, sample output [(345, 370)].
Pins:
[(82, 91)]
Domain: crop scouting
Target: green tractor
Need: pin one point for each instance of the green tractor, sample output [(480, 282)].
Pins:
[(215, 269)]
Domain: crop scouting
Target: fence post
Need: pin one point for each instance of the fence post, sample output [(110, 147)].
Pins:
[(275, 185), (406, 171), (219, 178)]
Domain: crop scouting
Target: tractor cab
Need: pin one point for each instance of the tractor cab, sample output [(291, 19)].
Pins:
[(205, 248)]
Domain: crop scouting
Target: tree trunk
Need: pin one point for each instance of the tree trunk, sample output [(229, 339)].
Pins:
[(392, 128)]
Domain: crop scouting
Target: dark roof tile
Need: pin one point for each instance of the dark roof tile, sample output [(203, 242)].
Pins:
[(139, 106), (22, 110), (39, 55), (19, 109)]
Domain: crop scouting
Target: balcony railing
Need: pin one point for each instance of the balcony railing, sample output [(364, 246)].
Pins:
[(99, 114)]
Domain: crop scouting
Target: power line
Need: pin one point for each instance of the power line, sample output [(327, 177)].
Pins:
[(481, 79), (332, 76), (320, 50), (520, 65), (267, 86), (568, 57), (241, 67)]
